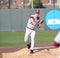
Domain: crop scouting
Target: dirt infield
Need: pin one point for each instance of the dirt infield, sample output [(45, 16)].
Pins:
[(39, 52)]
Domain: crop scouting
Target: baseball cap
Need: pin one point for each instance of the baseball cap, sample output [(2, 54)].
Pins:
[(37, 11)]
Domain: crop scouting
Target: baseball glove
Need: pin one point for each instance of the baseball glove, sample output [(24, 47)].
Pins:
[(40, 22)]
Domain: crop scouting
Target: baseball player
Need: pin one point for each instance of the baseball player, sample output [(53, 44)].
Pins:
[(57, 40), (31, 30)]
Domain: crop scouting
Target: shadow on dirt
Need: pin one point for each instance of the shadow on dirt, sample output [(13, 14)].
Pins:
[(44, 48)]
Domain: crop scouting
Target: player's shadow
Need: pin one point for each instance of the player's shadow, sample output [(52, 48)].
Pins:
[(43, 48)]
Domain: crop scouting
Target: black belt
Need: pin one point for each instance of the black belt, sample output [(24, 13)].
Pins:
[(30, 28)]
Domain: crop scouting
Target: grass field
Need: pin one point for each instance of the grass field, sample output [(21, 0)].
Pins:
[(17, 38)]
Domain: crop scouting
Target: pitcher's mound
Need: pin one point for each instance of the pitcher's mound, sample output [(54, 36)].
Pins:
[(39, 52)]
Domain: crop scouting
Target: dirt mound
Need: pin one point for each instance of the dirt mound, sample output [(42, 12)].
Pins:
[(39, 52)]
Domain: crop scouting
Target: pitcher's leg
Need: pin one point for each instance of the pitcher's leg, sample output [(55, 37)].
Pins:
[(32, 40), (27, 33)]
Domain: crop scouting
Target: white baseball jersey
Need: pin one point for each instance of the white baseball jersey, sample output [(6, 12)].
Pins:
[(29, 25), (57, 38)]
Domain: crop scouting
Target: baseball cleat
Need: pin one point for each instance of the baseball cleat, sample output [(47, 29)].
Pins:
[(31, 52), (29, 45)]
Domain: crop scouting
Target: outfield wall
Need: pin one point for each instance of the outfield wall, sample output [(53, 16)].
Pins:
[(16, 19)]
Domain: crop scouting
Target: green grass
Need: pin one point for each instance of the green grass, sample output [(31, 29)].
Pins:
[(45, 37), (11, 38), (17, 38)]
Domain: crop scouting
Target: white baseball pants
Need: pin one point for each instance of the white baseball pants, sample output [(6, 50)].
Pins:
[(31, 33)]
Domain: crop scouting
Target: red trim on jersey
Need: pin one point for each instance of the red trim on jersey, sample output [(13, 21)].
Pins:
[(56, 44), (32, 17)]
